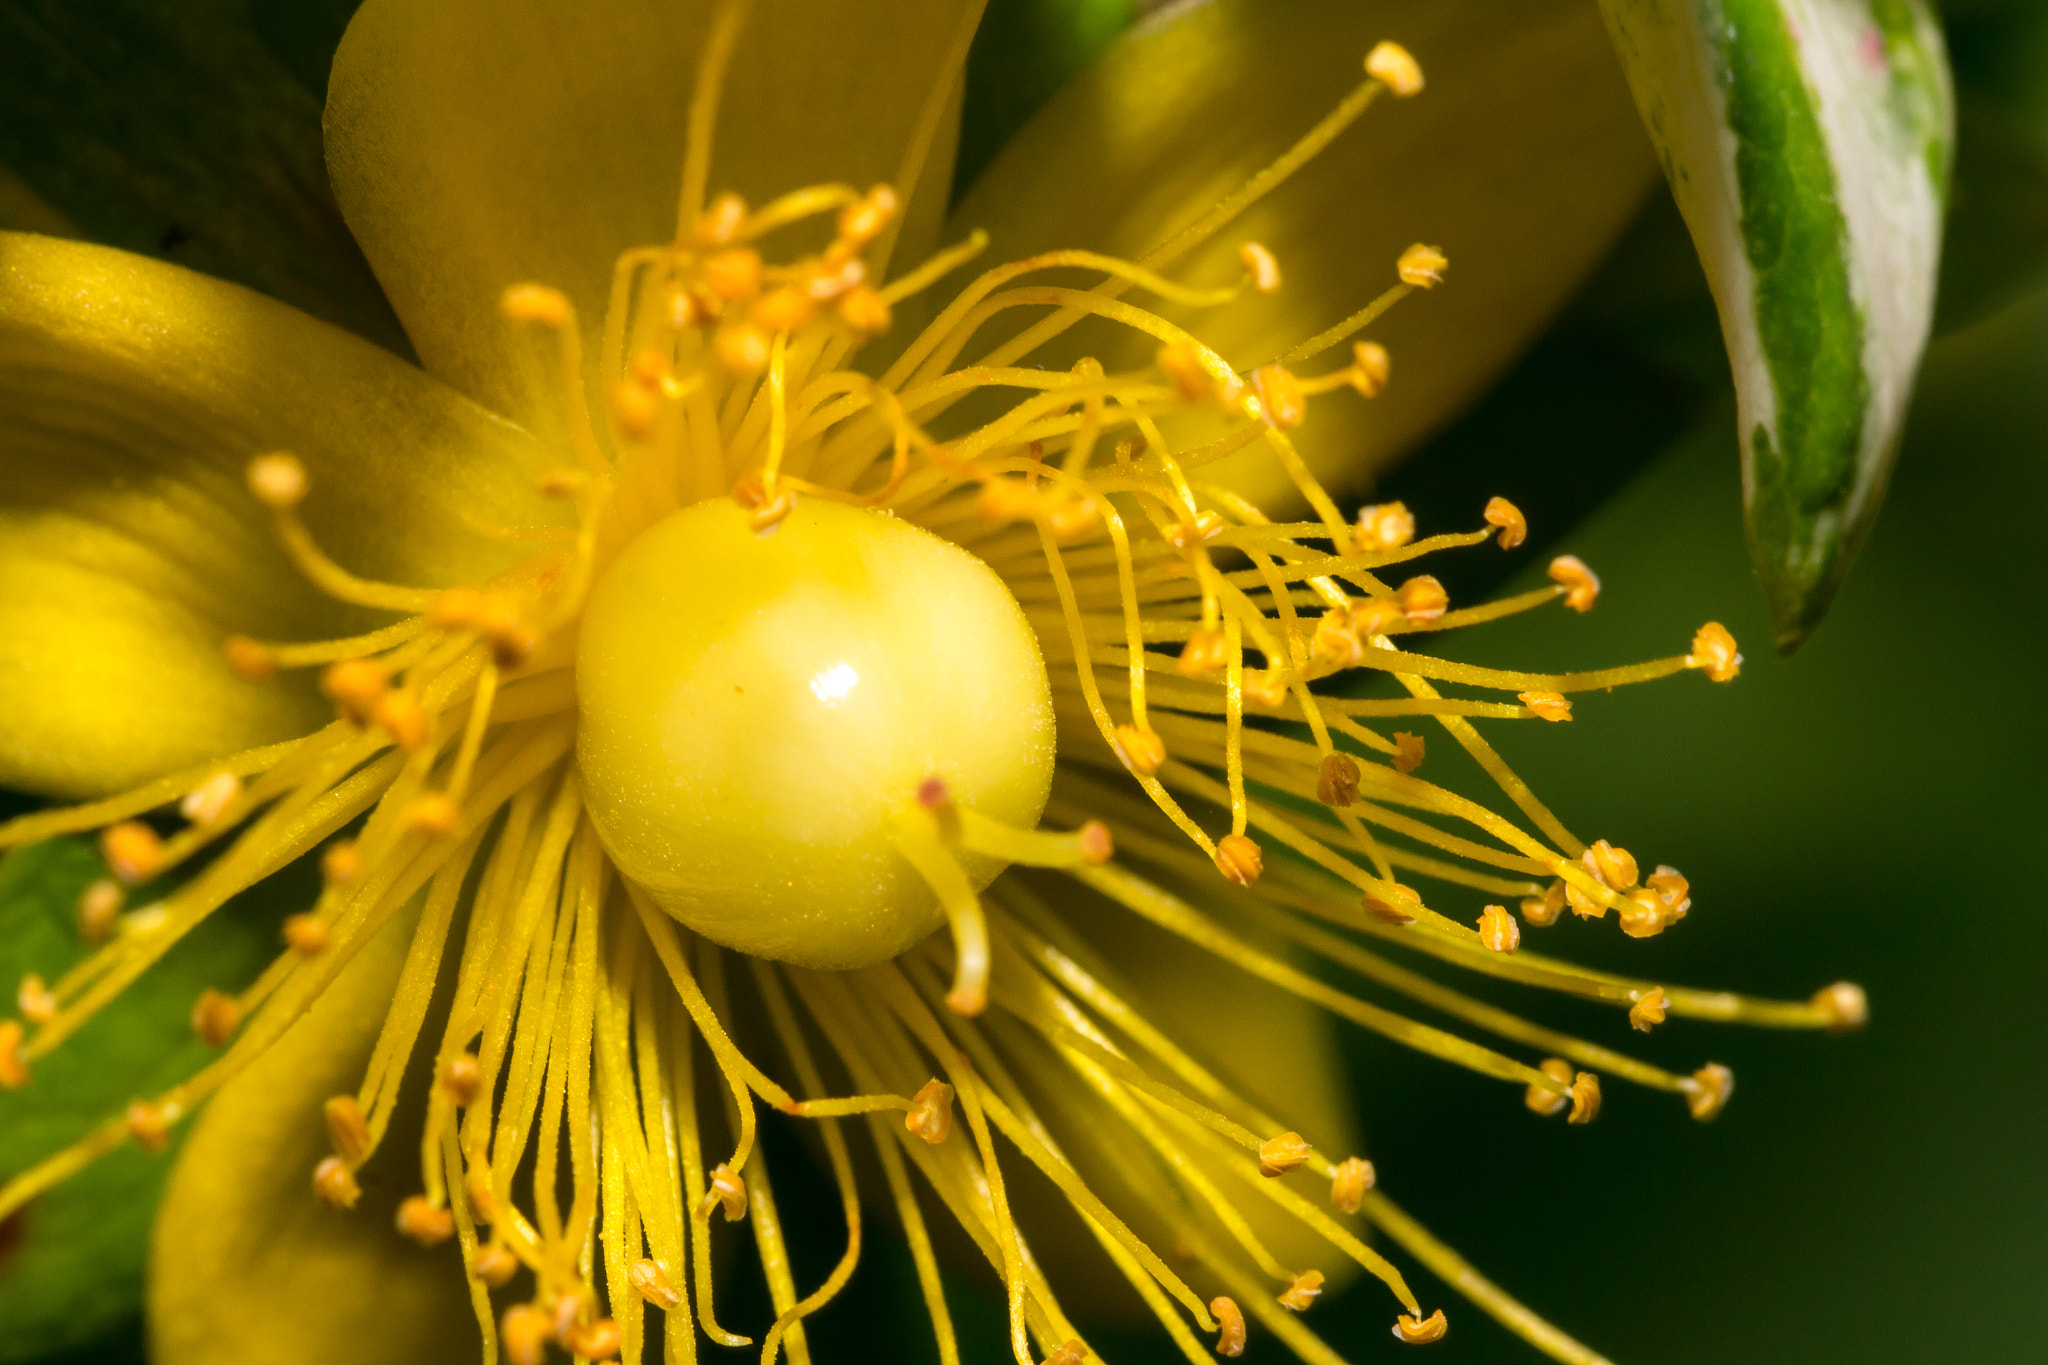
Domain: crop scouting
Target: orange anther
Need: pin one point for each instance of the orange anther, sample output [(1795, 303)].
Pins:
[(1408, 751), (1203, 654), (655, 1285), (1260, 265), (342, 863), (456, 609), (347, 1128), (1421, 1332), (828, 281), (132, 850), (865, 311), (1581, 585), (1007, 500), (1844, 1005), (1714, 652), (251, 659), (1182, 362), (525, 1331), (1266, 688), (721, 220), (1097, 847), (1542, 911), (99, 910), (1542, 1099), (783, 310), (1141, 750), (1336, 643), (1391, 63), (433, 814), (355, 686), (1301, 1295), (306, 934), (741, 347), (1551, 706), (1398, 906), (861, 223), (1280, 395), (1239, 859), (1643, 914), (1229, 1326), (1355, 1175), (1585, 1098), (1498, 930), (462, 1079), (727, 1191), (399, 714), (278, 481), (424, 1221), (208, 801), (1384, 527), (13, 1070), (215, 1017), (1278, 1156), (635, 408), (1672, 888), (149, 1125), (495, 1266), (1649, 1010), (1610, 864), (931, 1112), (536, 303), (1337, 780), (1422, 266), (1370, 366), (37, 1003), (733, 274), (1376, 616), (1072, 516), (1066, 1353), (1196, 530), (1708, 1094), (594, 1340), (1422, 599), (1514, 527)]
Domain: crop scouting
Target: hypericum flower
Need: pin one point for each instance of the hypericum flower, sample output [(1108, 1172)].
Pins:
[(664, 819)]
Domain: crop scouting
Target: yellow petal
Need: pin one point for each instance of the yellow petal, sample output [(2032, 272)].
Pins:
[(132, 395), (1522, 159), (475, 144), (247, 1268)]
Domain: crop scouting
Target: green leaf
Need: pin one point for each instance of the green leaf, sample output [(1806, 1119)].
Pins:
[(1023, 52), (1808, 146), (175, 131), (71, 1263)]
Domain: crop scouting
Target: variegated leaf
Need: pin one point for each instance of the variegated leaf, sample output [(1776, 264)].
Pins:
[(1808, 144)]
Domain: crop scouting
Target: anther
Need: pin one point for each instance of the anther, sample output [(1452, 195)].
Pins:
[(1239, 859), (536, 303), (1336, 641), (1196, 530), (132, 850), (35, 1000), (1278, 1156), (1643, 914), (655, 1285), (1498, 930), (1514, 527), (635, 408), (1714, 652), (306, 934), (1543, 1100), (1141, 750), (1355, 1175), (861, 223), (1385, 527), (1422, 599), (1398, 907), (1006, 500), (1584, 903), (1280, 395), (1391, 63), (1066, 1353), (865, 311), (1542, 911), (250, 659), (782, 310), (347, 1128), (1096, 844), (342, 863), (1422, 266), (1202, 656), (149, 1125), (1376, 616), (829, 280), (741, 347), (728, 1192), (482, 1195), (1421, 1333), (210, 800), (594, 1340), (355, 686), (1649, 1010), (278, 481), (215, 1017), (1551, 706), (495, 1266), (1408, 751), (1844, 1005), (99, 908), (733, 275), (1708, 1094), (1585, 1098), (1581, 585), (1337, 780), (1672, 888), (1611, 865), (1302, 1294), (721, 221), (1266, 688), (462, 1079), (424, 1221), (525, 1330), (1370, 365), (1260, 265), (931, 1112), (1229, 1326), (13, 1070), (456, 608), (434, 815), (399, 714)]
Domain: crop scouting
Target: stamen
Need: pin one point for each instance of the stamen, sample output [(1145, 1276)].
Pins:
[(1713, 650), (1581, 585), (1229, 1327), (1649, 1011), (1354, 1176), (1431, 1328), (1302, 1294), (1514, 527)]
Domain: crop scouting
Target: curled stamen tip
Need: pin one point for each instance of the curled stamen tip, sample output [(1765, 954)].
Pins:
[(1707, 1092), (1421, 1332), (424, 1221), (1843, 1005), (13, 1070), (1550, 706), (1649, 1010), (1370, 366), (132, 850), (525, 1331), (931, 1112), (495, 1266), (250, 659), (1229, 1326), (278, 481), (1581, 585), (1384, 527), (1070, 1352), (655, 1285), (1355, 1175), (1393, 65), (1302, 1294), (1514, 527), (1498, 930), (727, 1191), (1408, 751), (535, 303), (1422, 266), (306, 934), (1239, 859), (597, 1339), (334, 1184), (1337, 780), (1261, 266), (215, 1017), (1141, 750), (1585, 1098), (1422, 599), (1714, 653), (1544, 1100), (1543, 911), (1278, 1156)]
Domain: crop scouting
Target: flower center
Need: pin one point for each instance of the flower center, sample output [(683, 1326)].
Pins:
[(758, 713)]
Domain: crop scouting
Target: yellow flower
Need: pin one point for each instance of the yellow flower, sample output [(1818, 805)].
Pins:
[(689, 670)]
